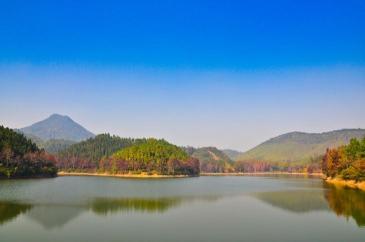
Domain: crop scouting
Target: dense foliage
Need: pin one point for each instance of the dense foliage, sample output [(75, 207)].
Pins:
[(346, 162), (152, 156), (112, 154), (211, 159), (19, 157), (87, 154)]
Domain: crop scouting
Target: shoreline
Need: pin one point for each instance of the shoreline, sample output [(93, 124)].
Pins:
[(128, 175), (346, 183), (144, 175), (262, 174)]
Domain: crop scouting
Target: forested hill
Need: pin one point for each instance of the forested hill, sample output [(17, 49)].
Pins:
[(20, 157), (299, 146), (89, 152), (153, 156), (115, 155), (58, 127), (211, 159)]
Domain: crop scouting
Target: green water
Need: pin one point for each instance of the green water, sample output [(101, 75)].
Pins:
[(192, 209)]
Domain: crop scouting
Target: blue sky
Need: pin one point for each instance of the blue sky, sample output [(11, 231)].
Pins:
[(224, 73)]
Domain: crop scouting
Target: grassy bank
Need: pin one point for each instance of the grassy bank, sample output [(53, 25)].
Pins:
[(346, 183)]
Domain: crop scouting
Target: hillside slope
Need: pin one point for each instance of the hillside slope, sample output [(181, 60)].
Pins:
[(299, 146), (92, 150), (52, 146), (58, 127), (232, 154), (20, 157), (211, 159)]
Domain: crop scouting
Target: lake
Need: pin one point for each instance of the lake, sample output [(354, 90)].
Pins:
[(242, 208)]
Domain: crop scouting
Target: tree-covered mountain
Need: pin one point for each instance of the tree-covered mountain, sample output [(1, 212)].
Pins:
[(211, 159), (115, 155), (58, 127), (299, 146), (88, 153), (20, 157), (152, 156)]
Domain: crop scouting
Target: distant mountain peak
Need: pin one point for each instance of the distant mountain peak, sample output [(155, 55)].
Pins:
[(58, 126), (56, 115)]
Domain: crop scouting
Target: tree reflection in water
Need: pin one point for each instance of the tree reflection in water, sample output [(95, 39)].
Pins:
[(11, 210), (347, 202), (57, 215)]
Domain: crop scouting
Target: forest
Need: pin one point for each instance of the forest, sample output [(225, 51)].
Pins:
[(86, 155), (346, 162), (252, 166), (115, 155), (20, 157)]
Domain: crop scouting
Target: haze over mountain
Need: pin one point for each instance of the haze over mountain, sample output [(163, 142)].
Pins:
[(58, 127), (300, 146), (232, 154), (211, 159)]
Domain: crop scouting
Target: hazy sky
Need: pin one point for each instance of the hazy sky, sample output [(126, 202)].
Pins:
[(229, 74)]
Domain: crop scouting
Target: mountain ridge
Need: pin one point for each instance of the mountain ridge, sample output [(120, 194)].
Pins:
[(300, 146)]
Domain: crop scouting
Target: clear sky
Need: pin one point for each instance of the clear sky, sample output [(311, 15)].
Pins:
[(229, 74)]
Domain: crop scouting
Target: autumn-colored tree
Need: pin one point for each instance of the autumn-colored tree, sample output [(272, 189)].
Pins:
[(347, 161)]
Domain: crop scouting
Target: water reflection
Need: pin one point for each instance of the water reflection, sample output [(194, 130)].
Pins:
[(104, 206), (347, 203), (10, 210), (298, 201), (54, 216), (51, 216)]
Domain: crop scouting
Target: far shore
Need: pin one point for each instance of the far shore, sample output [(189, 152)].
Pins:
[(346, 183), (127, 175), (147, 176), (262, 174)]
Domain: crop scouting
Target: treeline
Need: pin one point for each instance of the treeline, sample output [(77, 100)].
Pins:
[(252, 166), (346, 162), (20, 157), (87, 154), (115, 155)]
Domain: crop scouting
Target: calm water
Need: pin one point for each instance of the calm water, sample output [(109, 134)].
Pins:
[(194, 209)]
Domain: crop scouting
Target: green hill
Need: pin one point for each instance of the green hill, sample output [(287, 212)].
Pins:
[(152, 156), (211, 159), (20, 157), (88, 153), (300, 147)]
